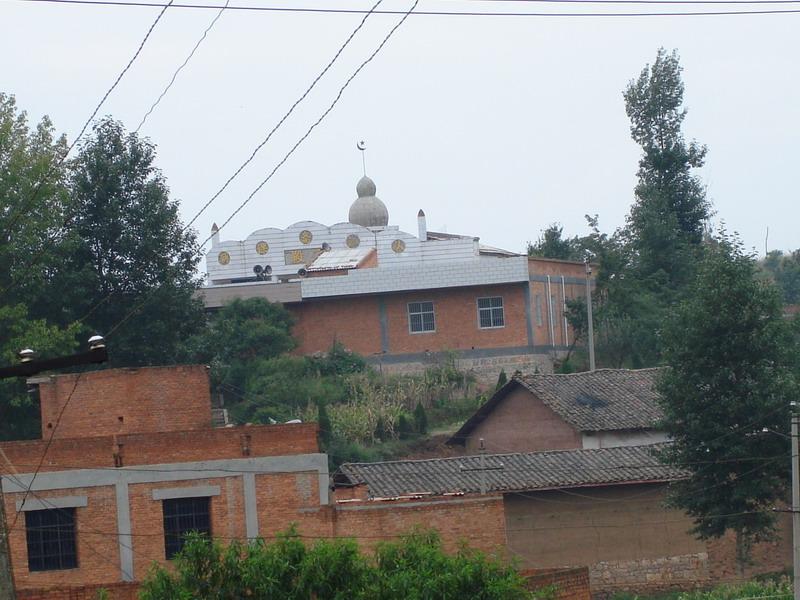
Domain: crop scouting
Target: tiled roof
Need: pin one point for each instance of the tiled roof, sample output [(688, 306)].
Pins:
[(601, 400), (512, 472)]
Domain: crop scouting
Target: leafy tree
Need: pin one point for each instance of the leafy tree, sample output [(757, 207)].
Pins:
[(420, 419), (414, 567), (19, 412), (126, 261), (502, 379), (667, 221), (784, 270), (552, 244), (240, 335), (32, 206), (733, 368)]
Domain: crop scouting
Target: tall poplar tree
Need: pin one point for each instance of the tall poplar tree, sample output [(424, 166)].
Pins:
[(667, 220)]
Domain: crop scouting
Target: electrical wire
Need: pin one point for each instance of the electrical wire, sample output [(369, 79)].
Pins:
[(28, 205), (286, 157), (48, 444), (180, 68), (446, 13)]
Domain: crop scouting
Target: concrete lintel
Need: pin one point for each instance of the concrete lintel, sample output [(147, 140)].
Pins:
[(47, 503), (210, 469), (196, 491)]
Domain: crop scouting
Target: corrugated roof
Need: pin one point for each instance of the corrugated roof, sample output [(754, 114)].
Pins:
[(341, 258), (512, 472), (601, 400)]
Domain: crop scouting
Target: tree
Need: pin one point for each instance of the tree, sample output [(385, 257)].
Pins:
[(240, 338), (733, 368), (552, 244), (126, 261), (668, 218), (502, 379), (414, 567), (784, 271), (33, 198), (420, 419)]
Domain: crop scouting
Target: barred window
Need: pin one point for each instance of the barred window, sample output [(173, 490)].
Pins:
[(420, 317), (51, 539), (490, 312), (181, 517)]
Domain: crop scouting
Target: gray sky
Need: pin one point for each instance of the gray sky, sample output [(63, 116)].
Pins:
[(495, 126)]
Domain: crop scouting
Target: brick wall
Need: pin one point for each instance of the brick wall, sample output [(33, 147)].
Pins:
[(169, 447), (569, 584), (121, 401), (476, 521), (116, 591), (522, 423), (354, 322)]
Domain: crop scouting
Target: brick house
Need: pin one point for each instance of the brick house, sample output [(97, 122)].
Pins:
[(594, 409), (600, 508), (402, 299), (134, 464)]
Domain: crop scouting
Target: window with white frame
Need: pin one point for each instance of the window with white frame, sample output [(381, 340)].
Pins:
[(490, 312), (420, 317)]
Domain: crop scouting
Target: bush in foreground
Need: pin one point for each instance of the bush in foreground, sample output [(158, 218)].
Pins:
[(415, 567)]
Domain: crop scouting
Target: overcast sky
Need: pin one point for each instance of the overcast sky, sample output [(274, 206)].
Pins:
[(495, 126)]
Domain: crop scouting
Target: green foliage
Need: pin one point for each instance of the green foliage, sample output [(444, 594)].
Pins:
[(552, 244), (324, 422), (404, 427), (240, 335), (502, 379), (125, 245), (667, 221), (733, 369), (777, 589), (784, 271), (414, 567), (19, 413), (420, 419)]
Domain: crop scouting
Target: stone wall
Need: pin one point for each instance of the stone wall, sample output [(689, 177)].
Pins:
[(649, 575)]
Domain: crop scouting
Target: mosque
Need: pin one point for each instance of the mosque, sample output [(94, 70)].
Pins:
[(402, 300)]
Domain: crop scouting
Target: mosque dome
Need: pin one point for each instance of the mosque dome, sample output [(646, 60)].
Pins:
[(368, 210)]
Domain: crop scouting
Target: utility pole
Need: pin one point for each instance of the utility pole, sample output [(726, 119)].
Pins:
[(482, 469), (795, 500), (28, 366), (589, 317)]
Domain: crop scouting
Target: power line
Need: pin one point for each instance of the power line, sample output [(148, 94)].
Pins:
[(286, 115), (47, 445), (448, 13), (286, 157), (185, 62), (26, 207)]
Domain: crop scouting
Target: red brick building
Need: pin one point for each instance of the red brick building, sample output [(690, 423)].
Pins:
[(398, 298)]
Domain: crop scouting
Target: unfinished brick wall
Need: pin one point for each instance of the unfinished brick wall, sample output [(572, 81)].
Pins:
[(169, 447), (122, 401)]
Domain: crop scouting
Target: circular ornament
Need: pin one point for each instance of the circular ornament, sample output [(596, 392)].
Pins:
[(353, 241), (262, 247), (306, 236), (224, 258), (398, 246)]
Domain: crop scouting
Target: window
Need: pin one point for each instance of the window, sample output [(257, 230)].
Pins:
[(490, 312), (182, 516), (420, 317), (51, 539)]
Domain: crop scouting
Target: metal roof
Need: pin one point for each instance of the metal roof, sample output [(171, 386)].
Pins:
[(343, 258)]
